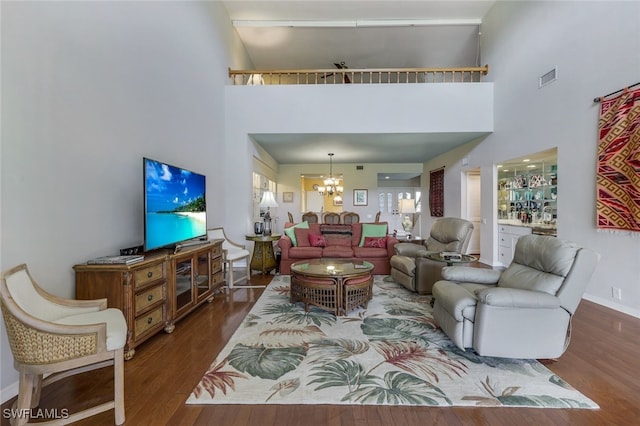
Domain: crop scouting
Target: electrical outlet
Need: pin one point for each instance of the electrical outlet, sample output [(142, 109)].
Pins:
[(616, 293)]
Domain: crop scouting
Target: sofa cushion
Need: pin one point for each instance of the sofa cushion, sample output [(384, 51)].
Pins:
[(116, 325), (370, 252), (302, 237), (356, 233), (373, 230), (337, 240), (337, 251), (377, 242), (291, 231), (317, 240), (315, 228), (305, 252)]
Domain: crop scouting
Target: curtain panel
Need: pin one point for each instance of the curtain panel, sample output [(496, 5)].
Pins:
[(436, 193)]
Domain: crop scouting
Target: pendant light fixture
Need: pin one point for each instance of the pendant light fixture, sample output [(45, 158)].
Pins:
[(331, 185)]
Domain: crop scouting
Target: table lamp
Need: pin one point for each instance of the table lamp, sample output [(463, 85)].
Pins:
[(268, 201), (407, 205)]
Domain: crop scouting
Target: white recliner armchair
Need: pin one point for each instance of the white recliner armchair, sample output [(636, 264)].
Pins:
[(410, 265), (522, 312)]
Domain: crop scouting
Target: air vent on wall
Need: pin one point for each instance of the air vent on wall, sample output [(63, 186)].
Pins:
[(359, 167), (549, 77)]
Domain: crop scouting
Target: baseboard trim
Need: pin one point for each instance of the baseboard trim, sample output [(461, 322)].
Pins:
[(612, 305)]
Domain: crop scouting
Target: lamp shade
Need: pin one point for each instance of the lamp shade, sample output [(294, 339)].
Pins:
[(268, 200), (407, 206)]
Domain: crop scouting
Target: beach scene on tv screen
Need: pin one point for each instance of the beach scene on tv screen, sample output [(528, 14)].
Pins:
[(175, 204)]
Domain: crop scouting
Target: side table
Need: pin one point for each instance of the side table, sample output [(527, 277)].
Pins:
[(450, 262), (415, 240), (263, 258)]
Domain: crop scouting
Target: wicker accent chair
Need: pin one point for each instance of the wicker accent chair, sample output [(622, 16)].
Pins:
[(57, 338), (290, 217), (231, 252), (310, 217), (331, 218), (377, 219)]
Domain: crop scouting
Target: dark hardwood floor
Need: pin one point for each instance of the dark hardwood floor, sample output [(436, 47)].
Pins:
[(603, 362)]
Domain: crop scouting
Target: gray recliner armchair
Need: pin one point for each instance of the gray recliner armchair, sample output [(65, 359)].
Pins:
[(522, 312), (410, 266)]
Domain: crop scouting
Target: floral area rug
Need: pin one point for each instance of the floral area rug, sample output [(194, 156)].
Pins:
[(392, 353)]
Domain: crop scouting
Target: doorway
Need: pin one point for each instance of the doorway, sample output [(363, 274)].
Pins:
[(389, 207), (471, 207)]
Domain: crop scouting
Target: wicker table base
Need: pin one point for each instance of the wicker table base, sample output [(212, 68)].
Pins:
[(336, 285)]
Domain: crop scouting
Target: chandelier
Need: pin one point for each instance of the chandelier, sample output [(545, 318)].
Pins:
[(331, 185)]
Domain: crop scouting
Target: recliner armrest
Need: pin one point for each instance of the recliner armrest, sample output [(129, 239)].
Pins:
[(453, 298), (407, 249), (424, 253), (469, 274), (517, 298)]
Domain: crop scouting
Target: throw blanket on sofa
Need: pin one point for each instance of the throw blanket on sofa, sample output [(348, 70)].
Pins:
[(337, 234), (618, 173)]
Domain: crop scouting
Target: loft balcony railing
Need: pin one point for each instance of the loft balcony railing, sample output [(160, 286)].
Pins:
[(359, 76)]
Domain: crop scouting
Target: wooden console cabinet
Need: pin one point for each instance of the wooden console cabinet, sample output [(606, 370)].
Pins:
[(195, 273), (157, 292)]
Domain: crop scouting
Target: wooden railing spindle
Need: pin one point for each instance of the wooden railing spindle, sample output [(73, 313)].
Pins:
[(359, 76)]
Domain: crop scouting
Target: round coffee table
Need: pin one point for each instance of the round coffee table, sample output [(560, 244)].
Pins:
[(336, 285)]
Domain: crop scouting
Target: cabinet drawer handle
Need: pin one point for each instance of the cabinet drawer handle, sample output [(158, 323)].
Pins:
[(149, 274), (149, 320), (150, 297)]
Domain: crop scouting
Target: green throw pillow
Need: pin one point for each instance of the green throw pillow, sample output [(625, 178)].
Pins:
[(372, 230), (291, 233)]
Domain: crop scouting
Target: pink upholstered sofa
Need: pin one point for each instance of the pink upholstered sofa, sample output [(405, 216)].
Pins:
[(337, 241)]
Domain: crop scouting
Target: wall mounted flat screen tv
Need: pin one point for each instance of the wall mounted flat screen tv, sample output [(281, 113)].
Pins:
[(175, 208)]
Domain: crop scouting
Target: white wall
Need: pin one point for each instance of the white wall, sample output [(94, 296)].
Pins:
[(289, 180), (88, 89), (595, 46), (409, 108)]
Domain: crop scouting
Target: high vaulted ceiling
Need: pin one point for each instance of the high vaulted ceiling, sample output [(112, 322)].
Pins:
[(439, 37), (312, 34)]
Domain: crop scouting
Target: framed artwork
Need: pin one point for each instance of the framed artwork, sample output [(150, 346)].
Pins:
[(337, 202), (287, 197), (360, 197)]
